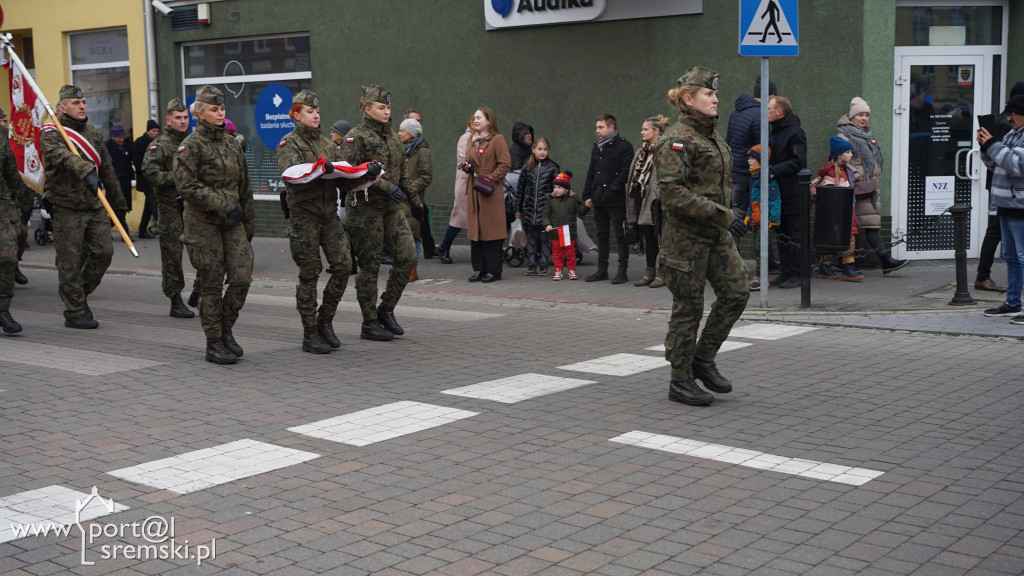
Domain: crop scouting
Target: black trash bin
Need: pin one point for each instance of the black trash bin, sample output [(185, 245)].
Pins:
[(833, 219)]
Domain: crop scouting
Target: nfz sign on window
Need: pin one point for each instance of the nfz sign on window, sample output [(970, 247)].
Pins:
[(511, 13)]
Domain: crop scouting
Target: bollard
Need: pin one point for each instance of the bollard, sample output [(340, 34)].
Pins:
[(803, 190), (959, 213)]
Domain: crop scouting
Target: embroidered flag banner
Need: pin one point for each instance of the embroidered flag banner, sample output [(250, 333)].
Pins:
[(26, 118)]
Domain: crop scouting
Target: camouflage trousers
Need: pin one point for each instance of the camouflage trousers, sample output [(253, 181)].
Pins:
[(221, 252), (81, 239), (720, 264), (371, 231), (171, 250), (307, 236), (8, 261)]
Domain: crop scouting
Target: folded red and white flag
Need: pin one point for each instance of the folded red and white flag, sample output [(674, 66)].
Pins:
[(564, 238), (306, 173)]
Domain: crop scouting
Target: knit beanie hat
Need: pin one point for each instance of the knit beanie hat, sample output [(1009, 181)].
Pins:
[(150, 124), (755, 152), (772, 90), (116, 130), (1018, 89), (411, 126), (858, 105), (341, 127), (563, 180), (1015, 105), (837, 146)]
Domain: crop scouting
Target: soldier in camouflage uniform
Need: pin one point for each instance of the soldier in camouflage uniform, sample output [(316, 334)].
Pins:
[(694, 174), (158, 167), (212, 177), (12, 197), (376, 216), (81, 227), (313, 224)]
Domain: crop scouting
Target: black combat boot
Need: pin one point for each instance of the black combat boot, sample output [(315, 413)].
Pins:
[(217, 353), (890, 264), (326, 328), (84, 322), (386, 317), (193, 298), (601, 274), (713, 380), (444, 255), (687, 392), (19, 278), (313, 342), (178, 308), (373, 330), (621, 277), (8, 323), (229, 342), (88, 312)]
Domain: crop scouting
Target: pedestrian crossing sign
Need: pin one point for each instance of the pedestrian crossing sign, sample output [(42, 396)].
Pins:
[(769, 28)]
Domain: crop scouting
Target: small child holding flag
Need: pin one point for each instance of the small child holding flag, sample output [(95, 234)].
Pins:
[(559, 221)]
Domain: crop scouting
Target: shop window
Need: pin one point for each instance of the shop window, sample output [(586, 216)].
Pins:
[(927, 25), (100, 67)]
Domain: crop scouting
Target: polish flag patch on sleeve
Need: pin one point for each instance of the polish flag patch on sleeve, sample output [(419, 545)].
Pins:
[(153, 147), (180, 148), (282, 144), (350, 140), (678, 146)]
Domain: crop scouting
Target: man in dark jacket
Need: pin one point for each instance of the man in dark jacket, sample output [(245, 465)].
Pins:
[(789, 156), (605, 192), (141, 184), (521, 145), (122, 162), (744, 132)]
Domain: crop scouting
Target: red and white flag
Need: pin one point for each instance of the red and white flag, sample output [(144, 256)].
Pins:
[(564, 237), (26, 118), (309, 171)]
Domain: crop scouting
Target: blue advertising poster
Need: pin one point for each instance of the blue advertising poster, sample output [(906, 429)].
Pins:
[(270, 117)]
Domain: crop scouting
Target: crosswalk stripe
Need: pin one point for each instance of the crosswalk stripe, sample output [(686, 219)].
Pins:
[(71, 359), (517, 388), (382, 422), (46, 507), (768, 331), (618, 365)]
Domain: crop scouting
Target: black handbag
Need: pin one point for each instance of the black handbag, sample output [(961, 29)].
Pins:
[(483, 185), (629, 232)]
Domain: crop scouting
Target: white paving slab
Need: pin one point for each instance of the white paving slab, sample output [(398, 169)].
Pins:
[(768, 331), (517, 388), (47, 510), (70, 359), (401, 311), (382, 423), (212, 466), (618, 365), (727, 346), (750, 458)]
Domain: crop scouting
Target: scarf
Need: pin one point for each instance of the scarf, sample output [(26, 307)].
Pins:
[(479, 137), (865, 147), (604, 141), (412, 145), (642, 172)]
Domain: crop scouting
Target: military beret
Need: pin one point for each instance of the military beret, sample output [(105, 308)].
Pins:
[(176, 105), (306, 97), (68, 91), (210, 95), (376, 93), (699, 76)]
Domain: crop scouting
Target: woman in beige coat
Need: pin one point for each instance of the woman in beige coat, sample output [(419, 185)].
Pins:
[(457, 220), (486, 156), (642, 190)]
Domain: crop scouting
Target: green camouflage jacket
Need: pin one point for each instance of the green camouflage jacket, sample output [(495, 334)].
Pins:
[(372, 140), (158, 164), (319, 198), (211, 173), (65, 172), (420, 169), (15, 197)]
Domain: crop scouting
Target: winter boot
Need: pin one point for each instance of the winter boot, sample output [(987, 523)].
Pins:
[(851, 274), (413, 276), (827, 272), (313, 342), (229, 342), (178, 308), (217, 353), (326, 328), (659, 279), (444, 255), (373, 330), (687, 392), (81, 322), (708, 373), (620, 277), (8, 323), (19, 278), (647, 279), (890, 264), (601, 274), (386, 317)]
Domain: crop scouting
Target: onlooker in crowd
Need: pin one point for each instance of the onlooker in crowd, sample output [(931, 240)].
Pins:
[(229, 127), (150, 211), (605, 192), (338, 131), (522, 144), (13, 196), (838, 172), (867, 178), (426, 236), (993, 232), (641, 193), (158, 165), (696, 247), (412, 113), (789, 156), (486, 157), (421, 171), (4, 122), (81, 226), (535, 186), (1005, 159), (561, 210), (745, 131), (122, 162), (757, 204), (457, 219), (212, 176)]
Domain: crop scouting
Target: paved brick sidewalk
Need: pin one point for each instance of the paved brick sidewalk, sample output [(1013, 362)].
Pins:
[(536, 486)]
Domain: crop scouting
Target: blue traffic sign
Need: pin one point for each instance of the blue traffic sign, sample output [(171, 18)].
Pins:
[(769, 28), (270, 115)]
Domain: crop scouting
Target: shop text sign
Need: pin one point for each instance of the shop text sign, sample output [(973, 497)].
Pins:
[(513, 13)]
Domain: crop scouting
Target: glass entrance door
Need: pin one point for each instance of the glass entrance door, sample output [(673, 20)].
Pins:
[(940, 100)]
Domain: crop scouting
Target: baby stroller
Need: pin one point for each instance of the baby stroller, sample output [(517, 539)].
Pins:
[(44, 233)]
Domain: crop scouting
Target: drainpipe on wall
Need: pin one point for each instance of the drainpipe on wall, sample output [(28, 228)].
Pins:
[(151, 77)]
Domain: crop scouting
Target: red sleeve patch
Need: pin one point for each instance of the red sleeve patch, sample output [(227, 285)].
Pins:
[(282, 143), (677, 145), (180, 148)]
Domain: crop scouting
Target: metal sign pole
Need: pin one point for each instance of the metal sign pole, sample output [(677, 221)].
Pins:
[(765, 196)]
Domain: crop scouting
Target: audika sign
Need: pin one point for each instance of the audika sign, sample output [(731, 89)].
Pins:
[(512, 13)]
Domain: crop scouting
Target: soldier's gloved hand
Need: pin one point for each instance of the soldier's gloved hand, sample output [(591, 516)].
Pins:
[(249, 237), (396, 194), (92, 181), (373, 169), (738, 227), (328, 167), (235, 212)]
